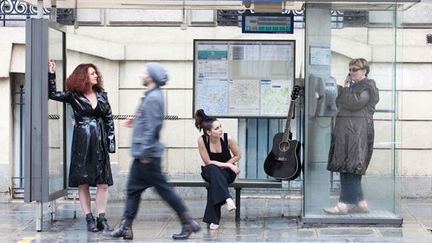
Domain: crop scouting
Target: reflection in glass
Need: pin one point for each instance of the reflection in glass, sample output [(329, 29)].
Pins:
[(56, 116)]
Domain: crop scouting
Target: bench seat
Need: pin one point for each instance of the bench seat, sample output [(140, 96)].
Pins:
[(237, 185)]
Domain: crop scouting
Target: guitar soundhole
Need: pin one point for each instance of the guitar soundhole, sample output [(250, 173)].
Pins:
[(284, 146)]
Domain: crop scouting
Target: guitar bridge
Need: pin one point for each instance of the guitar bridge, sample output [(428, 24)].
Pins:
[(282, 158)]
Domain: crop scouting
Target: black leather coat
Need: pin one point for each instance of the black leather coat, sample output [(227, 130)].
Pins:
[(93, 137)]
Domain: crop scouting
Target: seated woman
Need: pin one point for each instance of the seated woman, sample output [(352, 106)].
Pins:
[(220, 154)]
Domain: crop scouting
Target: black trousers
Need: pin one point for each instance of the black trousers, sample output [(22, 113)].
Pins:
[(217, 192), (143, 176), (351, 189)]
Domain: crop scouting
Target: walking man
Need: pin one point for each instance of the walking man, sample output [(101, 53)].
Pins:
[(147, 152)]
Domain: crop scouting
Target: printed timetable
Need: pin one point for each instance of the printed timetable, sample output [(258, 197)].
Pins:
[(243, 78)]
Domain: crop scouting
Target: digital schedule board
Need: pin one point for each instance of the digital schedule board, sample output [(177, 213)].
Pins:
[(275, 23), (243, 78)]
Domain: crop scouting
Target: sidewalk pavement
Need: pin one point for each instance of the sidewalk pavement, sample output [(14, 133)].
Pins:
[(263, 219)]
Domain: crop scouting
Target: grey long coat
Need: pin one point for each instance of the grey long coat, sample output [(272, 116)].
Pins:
[(353, 133)]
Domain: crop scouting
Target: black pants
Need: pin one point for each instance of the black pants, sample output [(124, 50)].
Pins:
[(217, 192), (143, 176), (351, 189)]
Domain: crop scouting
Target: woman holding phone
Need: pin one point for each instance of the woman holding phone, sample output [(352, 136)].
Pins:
[(353, 136)]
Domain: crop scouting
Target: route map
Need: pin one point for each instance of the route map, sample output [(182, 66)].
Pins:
[(243, 78)]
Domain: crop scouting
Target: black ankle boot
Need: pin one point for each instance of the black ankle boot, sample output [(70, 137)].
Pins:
[(102, 224), (123, 229), (91, 224), (189, 226)]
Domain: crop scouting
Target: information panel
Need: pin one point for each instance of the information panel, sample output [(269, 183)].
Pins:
[(276, 23), (243, 78)]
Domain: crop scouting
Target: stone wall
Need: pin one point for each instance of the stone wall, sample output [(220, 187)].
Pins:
[(121, 54)]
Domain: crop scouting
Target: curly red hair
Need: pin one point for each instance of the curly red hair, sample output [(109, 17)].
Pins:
[(79, 80)]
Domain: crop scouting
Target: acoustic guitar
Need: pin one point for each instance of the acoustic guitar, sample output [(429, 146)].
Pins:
[(283, 160)]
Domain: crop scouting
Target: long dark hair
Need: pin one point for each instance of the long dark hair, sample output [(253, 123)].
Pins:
[(203, 122)]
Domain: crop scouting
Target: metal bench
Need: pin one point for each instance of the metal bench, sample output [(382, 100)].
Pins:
[(237, 185)]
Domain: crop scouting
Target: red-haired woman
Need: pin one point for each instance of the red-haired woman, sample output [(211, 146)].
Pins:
[(93, 138)]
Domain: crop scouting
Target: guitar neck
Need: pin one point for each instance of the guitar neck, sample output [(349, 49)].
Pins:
[(288, 122)]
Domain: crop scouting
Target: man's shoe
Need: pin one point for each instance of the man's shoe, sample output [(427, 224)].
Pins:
[(189, 226), (123, 229)]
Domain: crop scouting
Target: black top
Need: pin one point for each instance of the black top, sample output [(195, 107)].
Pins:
[(225, 155)]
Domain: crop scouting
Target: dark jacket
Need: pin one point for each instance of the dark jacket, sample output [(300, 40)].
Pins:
[(353, 133), (147, 126), (93, 137)]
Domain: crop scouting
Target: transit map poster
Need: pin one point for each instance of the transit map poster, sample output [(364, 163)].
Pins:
[(243, 78)]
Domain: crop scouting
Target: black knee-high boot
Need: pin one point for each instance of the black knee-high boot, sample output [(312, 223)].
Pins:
[(123, 229), (189, 226)]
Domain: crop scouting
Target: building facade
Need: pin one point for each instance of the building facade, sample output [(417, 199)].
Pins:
[(120, 42)]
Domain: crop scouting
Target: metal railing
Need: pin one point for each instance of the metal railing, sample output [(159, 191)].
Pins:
[(15, 12)]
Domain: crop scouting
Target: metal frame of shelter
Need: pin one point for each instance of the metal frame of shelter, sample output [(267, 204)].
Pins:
[(36, 127)]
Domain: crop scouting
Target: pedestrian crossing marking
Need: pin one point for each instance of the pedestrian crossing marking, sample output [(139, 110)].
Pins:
[(26, 239)]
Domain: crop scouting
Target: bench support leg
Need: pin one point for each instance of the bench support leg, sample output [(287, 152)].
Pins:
[(237, 201)]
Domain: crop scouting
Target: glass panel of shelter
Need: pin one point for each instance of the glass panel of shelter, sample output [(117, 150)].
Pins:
[(322, 188), (55, 116)]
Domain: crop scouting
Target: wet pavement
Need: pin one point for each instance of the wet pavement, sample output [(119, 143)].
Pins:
[(269, 219)]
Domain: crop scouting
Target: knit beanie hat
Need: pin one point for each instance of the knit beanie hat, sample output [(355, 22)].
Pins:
[(157, 73)]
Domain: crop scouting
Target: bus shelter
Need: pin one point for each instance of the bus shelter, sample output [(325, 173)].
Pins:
[(317, 62)]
